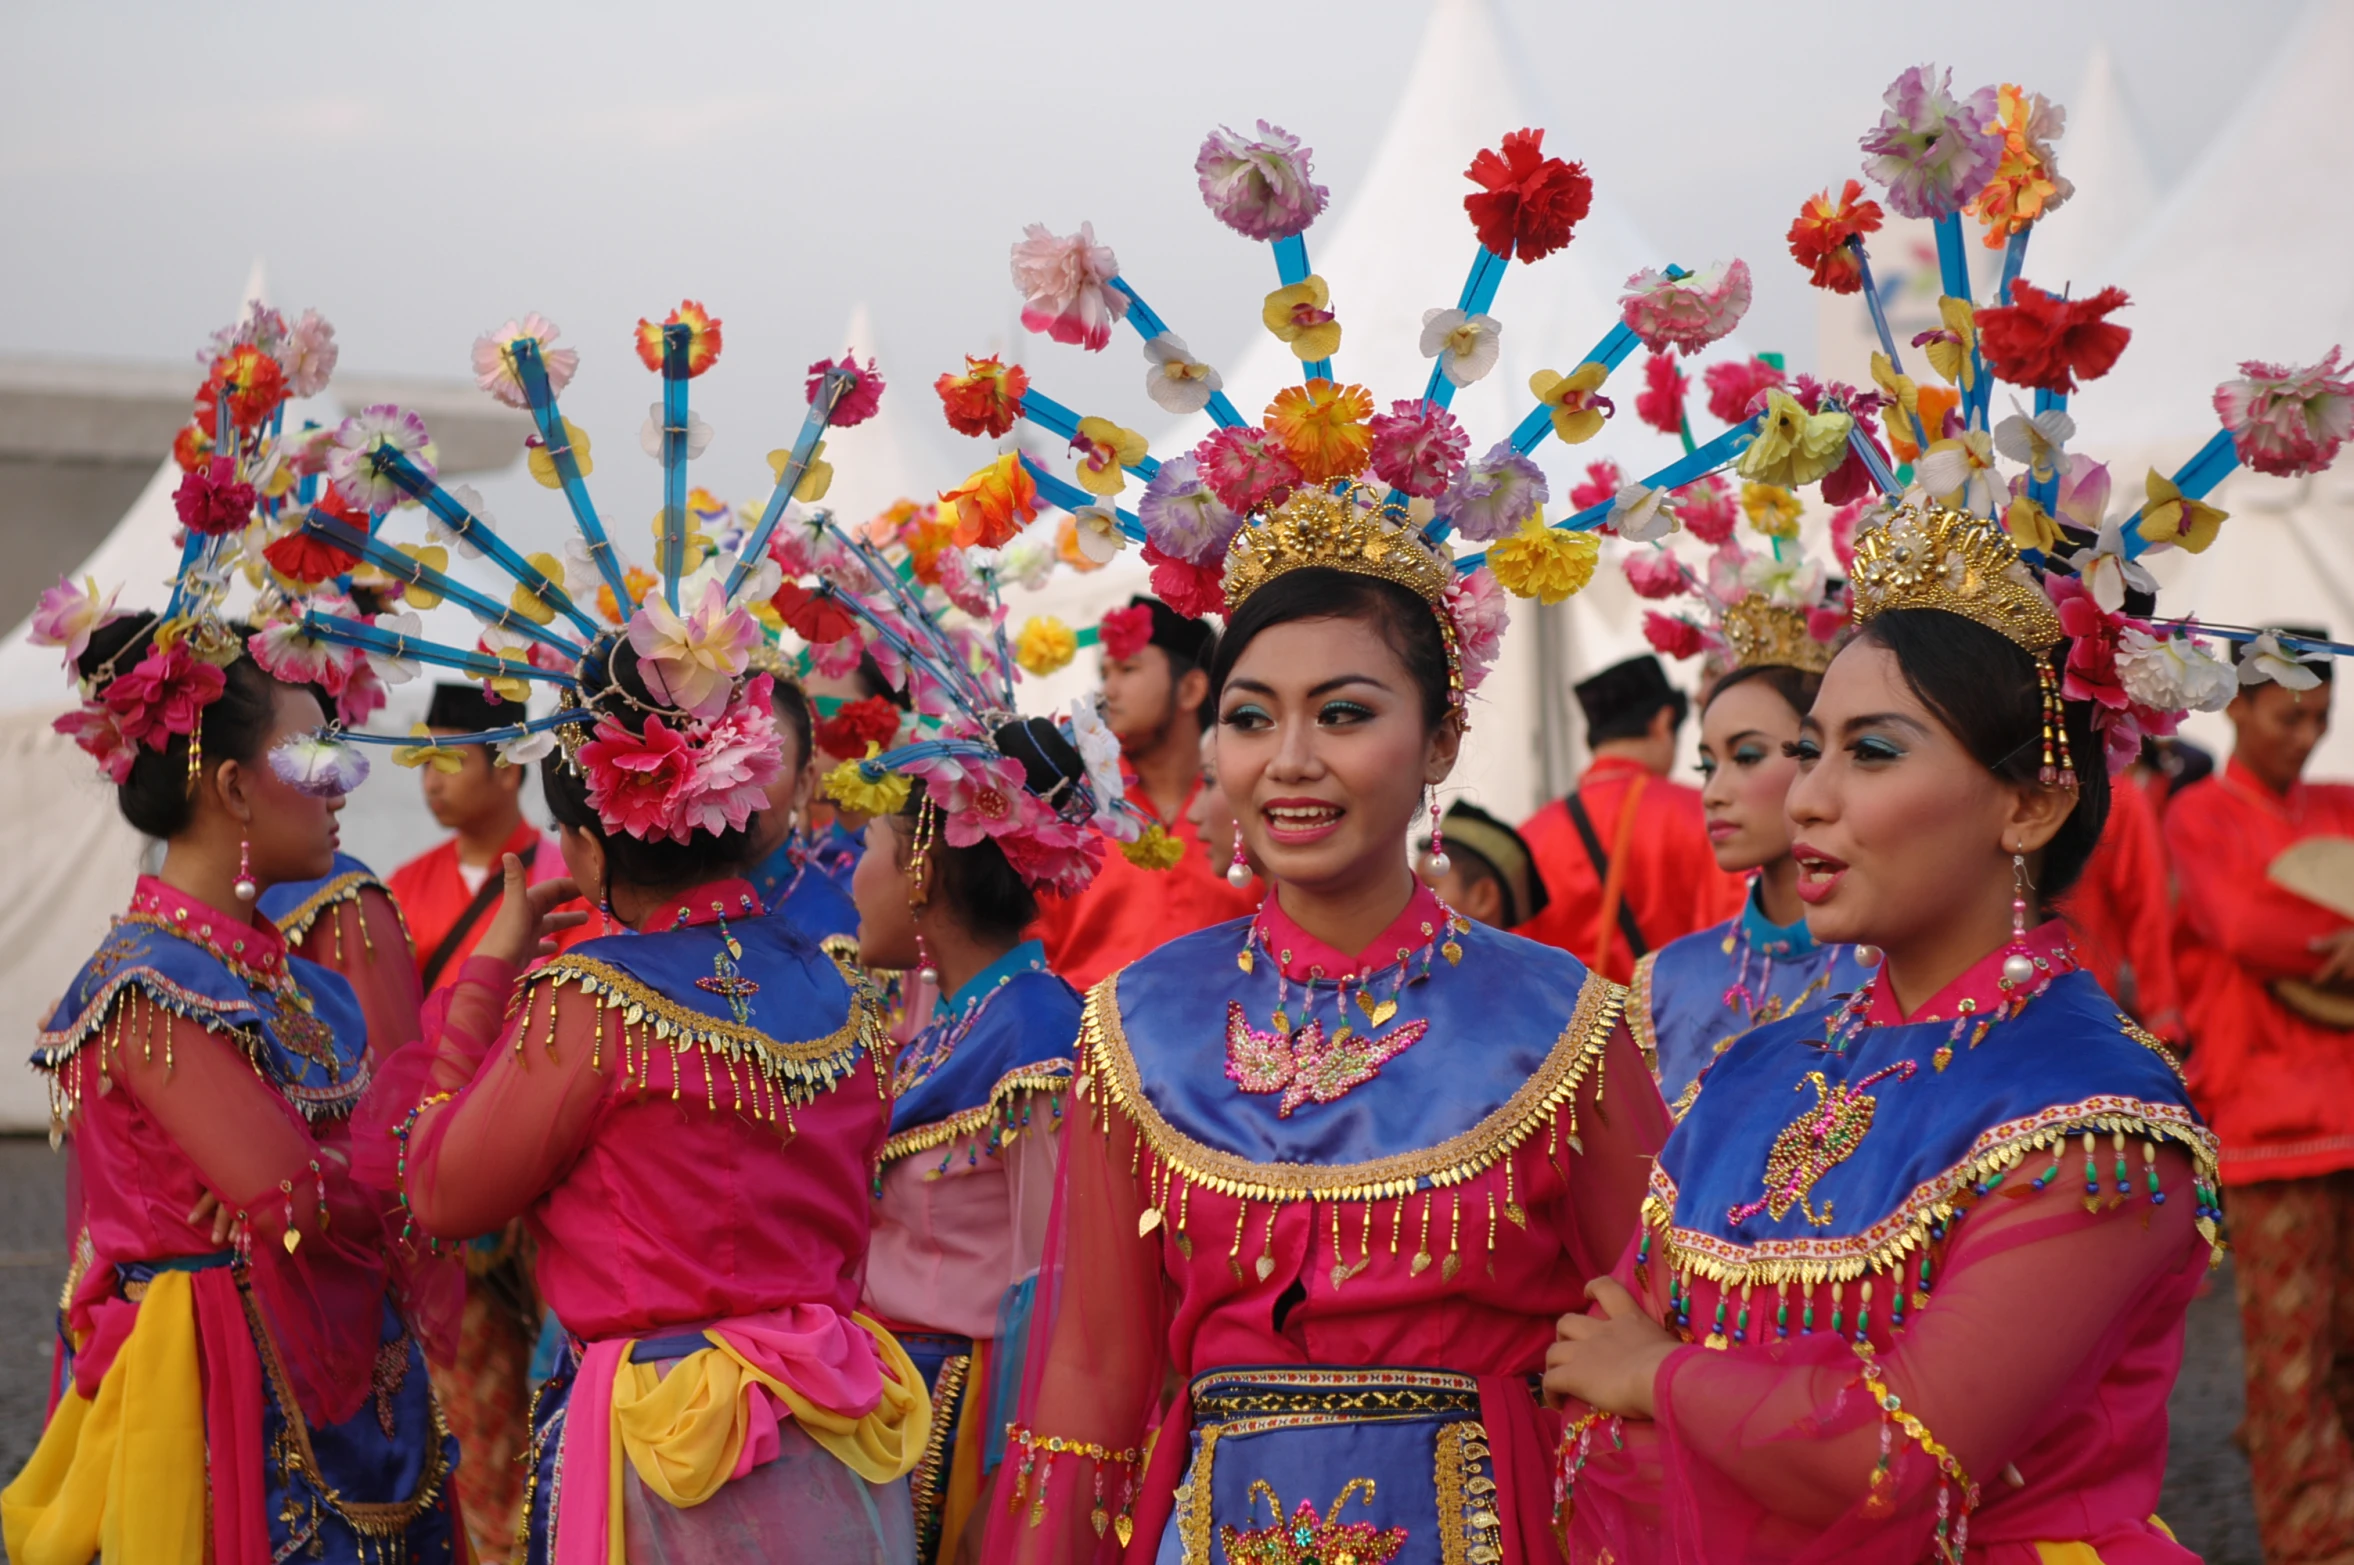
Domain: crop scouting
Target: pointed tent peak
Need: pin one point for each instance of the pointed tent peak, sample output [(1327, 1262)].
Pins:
[(883, 459), (859, 335), (257, 286), (2107, 158)]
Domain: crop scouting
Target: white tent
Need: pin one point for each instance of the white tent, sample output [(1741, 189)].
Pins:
[(884, 459), (2117, 190)]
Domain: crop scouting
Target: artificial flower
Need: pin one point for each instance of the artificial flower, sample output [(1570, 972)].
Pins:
[(1028, 562), (253, 382), (1671, 635), (2170, 516), (1246, 468), (2108, 573), (2288, 421), (1820, 237), (1949, 348), (2026, 185), (1066, 286), (163, 694), (1845, 523), (1528, 204), (857, 727), (66, 616), (635, 779), (100, 736), (1195, 591), (494, 359), (1654, 573), (817, 474), (318, 764), (533, 745), (991, 505), (1177, 381), (1660, 404), (2039, 440), (1640, 514), (1771, 509), (2090, 673), (428, 751), (1465, 345), (703, 338), (736, 758), (2172, 673), (1708, 509), (849, 786), (1097, 534), (308, 354), (192, 447), (1481, 612), (1577, 411), (2048, 342), (526, 600), (542, 462), (856, 405), (985, 399), (1182, 514), (815, 614), (1495, 495), (1301, 314), (1155, 849), (1794, 582), (1917, 411), (1689, 312), (212, 501), (967, 583), (1045, 645), (1793, 446), (1417, 447), (1124, 633), (2031, 526), (1960, 472), (1055, 855), (977, 797), (381, 429), (391, 667), (468, 499), (1067, 547), (2266, 659), (1548, 564), (651, 432), (1603, 480), (1735, 384), (1260, 188), (1931, 149), (1105, 449), (1099, 752), (636, 579), (1324, 428), (306, 559), (690, 660), (1850, 479)]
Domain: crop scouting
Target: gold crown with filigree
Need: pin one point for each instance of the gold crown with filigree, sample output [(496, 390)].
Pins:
[(1763, 633), (1925, 556), (1348, 530)]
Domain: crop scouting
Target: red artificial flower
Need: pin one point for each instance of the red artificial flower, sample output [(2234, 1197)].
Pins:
[(192, 447), (255, 384), (212, 502), (2091, 670), (1527, 203), (1602, 484), (100, 736), (2042, 340), (1125, 632), (1670, 636), (859, 403), (164, 694), (307, 560), (1819, 238), (634, 780), (1661, 401), (1195, 591), (703, 338), (814, 614), (856, 724), (1707, 509), (1653, 573), (985, 399), (1733, 385)]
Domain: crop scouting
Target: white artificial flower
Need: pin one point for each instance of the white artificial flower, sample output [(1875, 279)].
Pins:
[(1795, 583), (529, 748), (1466, 346), (396, 670), (1099, 749), (442, 533), (2172, 674), (2107, 573), (1642, 515), (2266, 659), (1098, 533), (1177, 381), (650, 433), (1028, 560), (2040, 441)]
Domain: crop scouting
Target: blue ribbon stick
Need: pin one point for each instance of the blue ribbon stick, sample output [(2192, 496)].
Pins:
[(541, 399), (835, 386), (409, 569), (1148, 326), (470, 527)]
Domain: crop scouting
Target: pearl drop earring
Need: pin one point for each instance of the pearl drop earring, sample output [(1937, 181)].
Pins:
[(1439, 862), (1238, 873), (244, 885), (2019, 965)]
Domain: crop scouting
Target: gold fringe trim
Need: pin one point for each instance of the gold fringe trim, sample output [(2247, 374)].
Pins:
[(1886, 1244), (1045, 1076), (345, 887), (1639, 1020), (1108, 1074)]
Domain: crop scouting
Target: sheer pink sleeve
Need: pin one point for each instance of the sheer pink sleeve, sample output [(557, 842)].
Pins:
[(1030, 1166), (372, 947), (1094, 1371), (1621, 1123), (1773, 1452)]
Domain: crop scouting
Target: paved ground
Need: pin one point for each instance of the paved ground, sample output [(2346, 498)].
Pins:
[(2206, 1489)]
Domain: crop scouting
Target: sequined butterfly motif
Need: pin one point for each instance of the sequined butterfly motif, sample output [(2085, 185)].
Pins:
[(1309, 1066), (1819, 1140)]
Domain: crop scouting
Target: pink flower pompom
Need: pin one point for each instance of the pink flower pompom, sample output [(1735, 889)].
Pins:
[(1417, 448), (859, 403), (1932, 150), (1707, 509), (634, 780), (1736, 383), (1195, 591), (1125, 632), (1843, 525), (1670, 636), (100, 734), (1603, 482), (1246, 468), (1689, 312), (363, 694), (1661, 401), (736, 758), (2287, 421), (494, 359), (1826, 621), (1654, 573), (1481, 611), (1066, 286), (164, 694), (1260, 188), (212, 501)]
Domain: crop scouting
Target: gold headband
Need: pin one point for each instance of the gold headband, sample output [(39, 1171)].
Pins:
[(1927, 557), (1765, 634), (1347, 531)]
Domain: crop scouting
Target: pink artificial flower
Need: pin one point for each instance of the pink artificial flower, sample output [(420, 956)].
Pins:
[(308, 355), (212, 501), (1671, 636), (1260, 188), (67, 615), (1708, 509), (2288, 421), (1661, 401), (164, 694), (859, 403), (963, 584), (1125, 632), (2091, 671), (690, 660), (383, 426), (1195, 591), (494, 359), (1066, 286), (1825, 622), (1246, 468), (1843, 523), (1603, 482), (1481, 610), (736, 758), (635, 780), (1052, 854), (1687, 313), (1417, 448), (362, 696), (978, 797), (1932, 150), (1736, 383), (1654, 573), (291, 657), (101, 737), (838, 659)]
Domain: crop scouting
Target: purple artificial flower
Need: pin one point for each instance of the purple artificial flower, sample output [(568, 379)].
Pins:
[(1492, 496), (1183, 518), (1932, 150), (1261, 188)]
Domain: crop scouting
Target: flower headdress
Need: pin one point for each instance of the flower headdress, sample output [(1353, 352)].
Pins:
[(696, 752), (1754, 607)]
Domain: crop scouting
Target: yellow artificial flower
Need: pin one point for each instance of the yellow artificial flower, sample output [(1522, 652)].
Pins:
[(1576, 419), (1544, 563), (434, 558), (1045, 644), (2031, 526), (442, 758), (2170, 516), (1325, 428), (1156, 849), (1302, 316), (1771, 509), (849, 786), (816, 478), (530, 604), (1105, 452), (698, 544), (543, 466), (1949, 352), (1793, 446)]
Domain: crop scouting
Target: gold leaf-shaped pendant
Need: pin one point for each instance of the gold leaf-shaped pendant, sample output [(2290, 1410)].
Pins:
[(1420, 1263), (1575, 1145), (1124, 1528), (293, 1240), (1515, 1214), (1185, 1247), (1450, 1266), (1243, 960), (1283, 1023), (1148, 1222), (1452, 952), (1102, 1520), (1376, 1011), (1943, 1057), (1266, 1267), (1340, 1274)]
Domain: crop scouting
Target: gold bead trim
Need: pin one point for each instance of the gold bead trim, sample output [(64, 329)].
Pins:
[(1348, 531), (1924, 556)]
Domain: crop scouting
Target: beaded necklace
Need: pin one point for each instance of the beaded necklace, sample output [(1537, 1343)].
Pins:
[(933, 1046), (1410, 965), (1848, 1023)]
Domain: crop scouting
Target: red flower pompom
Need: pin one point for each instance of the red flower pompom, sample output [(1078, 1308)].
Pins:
[(1527, 203), (1602, 483), (859, 403), (985, 399), (2042, 340), (1125, 632), (846, 734), (1733, 385), (1670, 636), (308, 560), (1661, 401), (212, 502), (1819, 237), (814, 615), (1195, 591)]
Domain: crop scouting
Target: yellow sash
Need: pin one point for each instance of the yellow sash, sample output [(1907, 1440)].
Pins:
[(2082, 1553), (121, 1477)]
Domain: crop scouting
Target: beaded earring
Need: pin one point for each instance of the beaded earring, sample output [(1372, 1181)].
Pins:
[(2059, 771), (1439, 862), (2019, 963), (244, 885), (1238, 873), (927, 822)]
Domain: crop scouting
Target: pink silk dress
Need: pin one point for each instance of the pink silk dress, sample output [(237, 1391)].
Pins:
[(1393, 1211)]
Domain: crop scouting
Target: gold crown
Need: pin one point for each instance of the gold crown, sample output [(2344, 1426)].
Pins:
[(1765, 633), (1341, 531), (1927, 557)]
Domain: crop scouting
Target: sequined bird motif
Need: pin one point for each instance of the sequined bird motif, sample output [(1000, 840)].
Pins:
[(1819, 1140), (1309, 1539), (1307, 1066)]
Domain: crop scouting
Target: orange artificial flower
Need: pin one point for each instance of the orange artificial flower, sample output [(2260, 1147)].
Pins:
[(991, 506), (985, 399), (703, 341), (1326, 429)]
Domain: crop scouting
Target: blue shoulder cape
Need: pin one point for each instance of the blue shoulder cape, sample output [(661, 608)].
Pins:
[(1872, 1152), (794, 888), (295, 905), (771, 1004), (308, 1040), (1474, 1056), (1017, 1039), (1693, 996)]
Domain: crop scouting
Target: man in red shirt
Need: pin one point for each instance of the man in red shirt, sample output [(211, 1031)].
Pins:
[(2276, 1083), (1156, 693), (448, 893), (1625, 857), (2122, 911)]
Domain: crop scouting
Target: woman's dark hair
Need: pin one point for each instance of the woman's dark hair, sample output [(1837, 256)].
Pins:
[(979, 882), (1982, 685), (156, 798), (793, 701), (1794, 685), (1404, 621), (660, 865)]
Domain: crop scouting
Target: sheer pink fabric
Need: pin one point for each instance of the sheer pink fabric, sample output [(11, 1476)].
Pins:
[(365, 940), (2042, 1362), (948, 1241)]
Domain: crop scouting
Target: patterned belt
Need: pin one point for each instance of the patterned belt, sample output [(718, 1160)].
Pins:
[(661, 1350), (133, 1276), (1336, 1393)]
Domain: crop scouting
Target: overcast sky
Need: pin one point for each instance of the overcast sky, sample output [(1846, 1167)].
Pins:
[(422, 172)]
